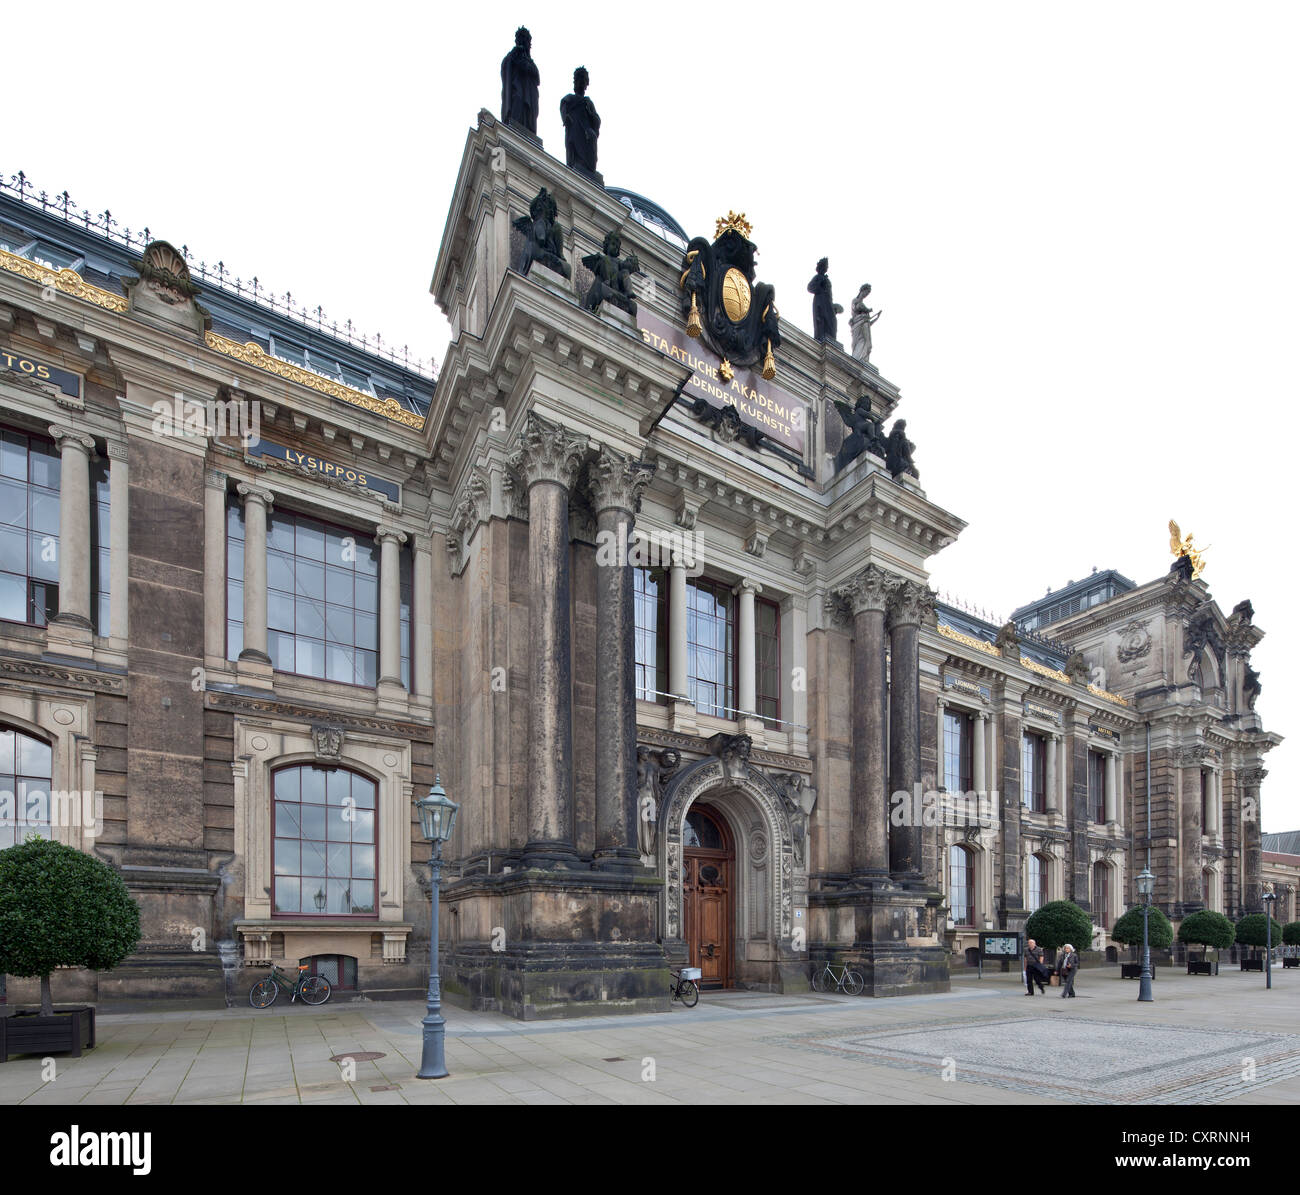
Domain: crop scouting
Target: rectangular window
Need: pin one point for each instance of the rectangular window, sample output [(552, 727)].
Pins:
[(322, 598), (407, 586), (957, 775), (100, 545), (1033, 773), (710, 647), (767, 658), (234, 577), (1101, 895), (1096, 786), (29, 528), (1036, 895), (650, 603)]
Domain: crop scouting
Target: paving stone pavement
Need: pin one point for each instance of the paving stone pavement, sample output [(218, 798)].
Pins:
[(1206, 1040)]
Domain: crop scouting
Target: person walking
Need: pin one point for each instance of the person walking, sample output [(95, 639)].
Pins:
[(1068, 968), (1035, 972)]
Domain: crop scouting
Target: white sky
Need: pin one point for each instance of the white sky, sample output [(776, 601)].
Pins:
[(1079, 221)]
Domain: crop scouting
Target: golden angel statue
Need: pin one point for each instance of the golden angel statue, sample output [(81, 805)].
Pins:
[(1181, 545)]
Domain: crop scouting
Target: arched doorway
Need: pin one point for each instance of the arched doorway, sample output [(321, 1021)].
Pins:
[(708, 894)]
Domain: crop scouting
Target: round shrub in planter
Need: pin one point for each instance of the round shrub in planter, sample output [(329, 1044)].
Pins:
[(1206, 928), (1291, 933), (1128, 929), (1059, 922), (1252, 930), (60, 907)]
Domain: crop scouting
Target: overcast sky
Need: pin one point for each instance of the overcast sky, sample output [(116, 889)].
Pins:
[(1080, 223)]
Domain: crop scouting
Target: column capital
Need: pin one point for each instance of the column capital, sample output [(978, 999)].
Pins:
[(745, 585), (116, 450), (258, 493), (385, 532), (909, 603), (617, 480), (213, 479), (548, 452), (71, 437), (867, 590)]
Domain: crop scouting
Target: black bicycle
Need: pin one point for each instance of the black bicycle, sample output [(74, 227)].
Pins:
[(312, 988), (686, 986)]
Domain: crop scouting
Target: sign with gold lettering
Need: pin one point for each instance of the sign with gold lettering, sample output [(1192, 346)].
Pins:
[(28, 367), (760, 404), (326, 468)]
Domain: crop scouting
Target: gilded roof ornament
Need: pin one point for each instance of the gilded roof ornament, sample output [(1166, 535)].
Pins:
[(733, 220), (1181, 545)]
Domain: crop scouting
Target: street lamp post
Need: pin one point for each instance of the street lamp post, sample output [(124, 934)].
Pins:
[(1269, 899), (437, 820), (1146, 886)]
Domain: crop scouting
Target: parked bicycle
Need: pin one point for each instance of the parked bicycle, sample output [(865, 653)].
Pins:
[(686, 985), (845, 980), (312, 988)]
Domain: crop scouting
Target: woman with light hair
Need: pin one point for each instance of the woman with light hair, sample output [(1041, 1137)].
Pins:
[(1068, 967)]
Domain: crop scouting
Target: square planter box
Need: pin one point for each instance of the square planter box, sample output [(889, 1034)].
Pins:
[(1291, 962), (1252, 964), (68, 1031), (1200, 966), (1134, 971)]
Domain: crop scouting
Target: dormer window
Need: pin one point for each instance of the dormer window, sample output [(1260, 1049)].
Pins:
[(41, 252)]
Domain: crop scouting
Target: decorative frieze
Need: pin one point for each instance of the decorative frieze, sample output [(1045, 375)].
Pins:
[(1033, 709)]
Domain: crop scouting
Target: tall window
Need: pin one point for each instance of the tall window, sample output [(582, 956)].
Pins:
[(1101, 894), (1036, 892), (1033, 773), (961, 886), (650, 601), (767, 654), (100, 544), (324, 844), (26, 765), (957, 752), (1096, 786), (1207, 888), (322, 598), (406, 591), (709, 646), (29, 528)]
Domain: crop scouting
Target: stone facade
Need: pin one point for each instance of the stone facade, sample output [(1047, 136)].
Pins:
[(500, 652)]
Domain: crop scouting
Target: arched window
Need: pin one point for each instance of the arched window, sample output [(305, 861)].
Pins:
[(324, 843), (26, 765), (961, 885)]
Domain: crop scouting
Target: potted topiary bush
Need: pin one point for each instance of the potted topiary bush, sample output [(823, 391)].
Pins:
[(1058, 922), (1252, 930), (1205, 929), (59, 907), (1128, 932), (1291, 939)]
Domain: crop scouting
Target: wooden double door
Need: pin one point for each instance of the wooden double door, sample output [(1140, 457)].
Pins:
[(708, 895)]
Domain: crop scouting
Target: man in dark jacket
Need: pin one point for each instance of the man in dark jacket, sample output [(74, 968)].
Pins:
[(1035, 972)]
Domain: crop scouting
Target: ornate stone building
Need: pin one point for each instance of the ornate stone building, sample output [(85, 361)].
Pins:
[(640, 577)]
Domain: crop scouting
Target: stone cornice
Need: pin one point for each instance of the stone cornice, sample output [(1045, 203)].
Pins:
[(79, 678), (269, 707)]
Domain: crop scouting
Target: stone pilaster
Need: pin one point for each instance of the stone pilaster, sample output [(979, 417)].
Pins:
[(257, 504), (1051, 781), (616, 485), (422, 617), (908, 604), (548, 459), (214, 567), (390, 604), (75, 452), (1249, 782), (1012, 806)]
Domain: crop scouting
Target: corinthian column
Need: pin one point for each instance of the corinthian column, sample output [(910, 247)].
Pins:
[(908, 604), (548, 459), (1249, 781), (616, 484), (257, 502), (864, 598), (75, 451)]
